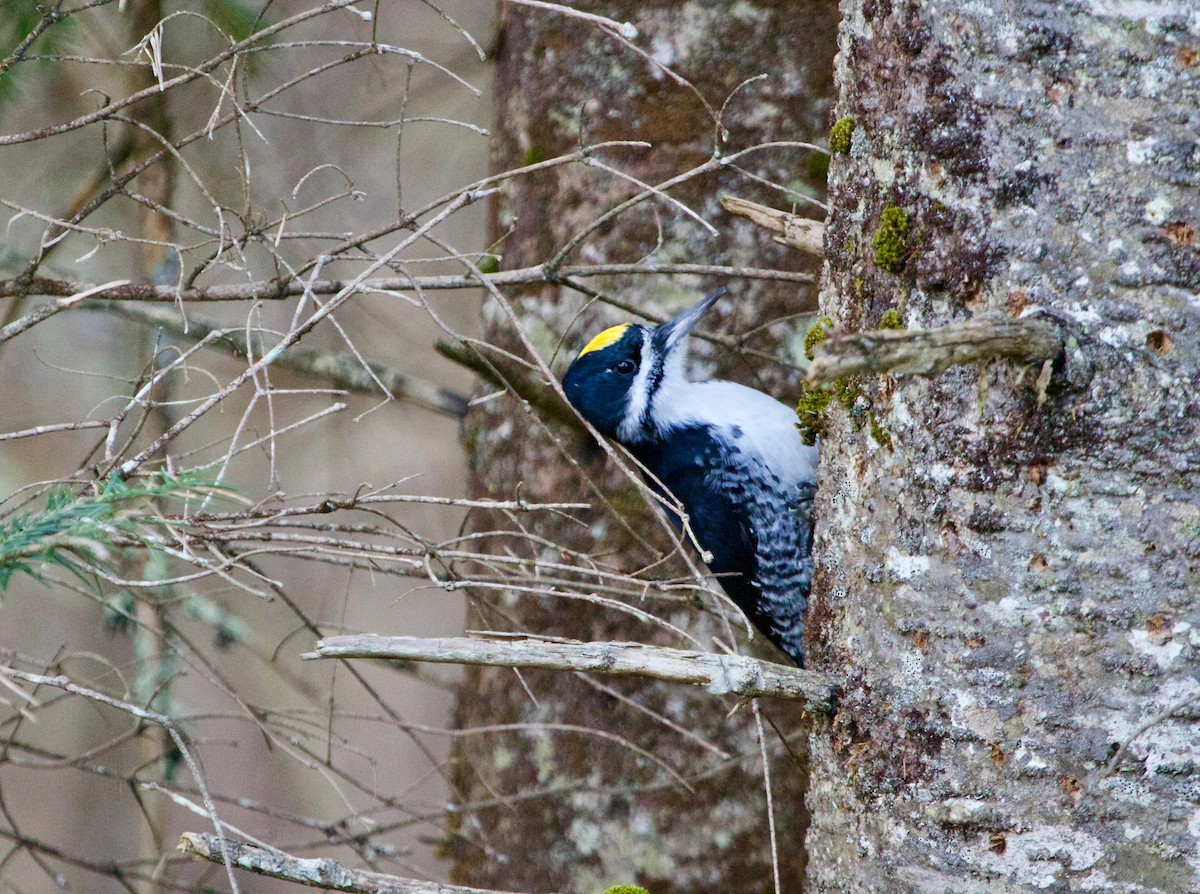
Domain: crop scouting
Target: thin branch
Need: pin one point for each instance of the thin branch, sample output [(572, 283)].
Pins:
[(927, 352), (315, 873), (503, 373), (209, 64), (339, 368), (719, 674), (267, 290), (44, 312)]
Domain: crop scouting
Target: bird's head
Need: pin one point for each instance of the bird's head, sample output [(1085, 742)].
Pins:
[(616, 377)]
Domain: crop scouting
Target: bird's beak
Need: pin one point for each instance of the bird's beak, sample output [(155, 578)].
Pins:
[(672, 332)]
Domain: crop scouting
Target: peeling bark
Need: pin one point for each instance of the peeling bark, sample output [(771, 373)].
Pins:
[(1011, 585)]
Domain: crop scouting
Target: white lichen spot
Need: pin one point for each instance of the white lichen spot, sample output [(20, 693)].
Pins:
[(1132, 791), (1094, 881), (885, 172), (912, 667), (1158, 210), (1040, 856), (958, 811), (1163, 649), (969, 714), (941, 473), (900, 414), (904, 566), (1170, 749), (1028, 759), (1138, 152), (543, 759), (1130, 271)]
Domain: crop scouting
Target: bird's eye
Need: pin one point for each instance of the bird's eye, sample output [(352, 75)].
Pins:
[(625, 367)]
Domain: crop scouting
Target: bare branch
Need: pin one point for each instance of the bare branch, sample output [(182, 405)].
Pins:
[(719, 674), (339, 368), (315, 873), (927, 352), (266, 290)]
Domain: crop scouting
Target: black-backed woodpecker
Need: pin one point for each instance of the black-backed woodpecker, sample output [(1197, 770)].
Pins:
[(730, 454)]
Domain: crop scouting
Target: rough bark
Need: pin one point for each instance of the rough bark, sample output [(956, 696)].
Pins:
[(606, 815), (1011, 584)]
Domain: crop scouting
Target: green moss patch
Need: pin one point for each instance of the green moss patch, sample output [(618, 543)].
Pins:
[(840, 135), (891, 249)]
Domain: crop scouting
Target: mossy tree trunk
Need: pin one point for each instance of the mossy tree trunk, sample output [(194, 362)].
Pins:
[(1011, 585), (564, 810)]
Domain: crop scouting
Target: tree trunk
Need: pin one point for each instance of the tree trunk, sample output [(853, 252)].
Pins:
[(1008, 579), (562, 810)]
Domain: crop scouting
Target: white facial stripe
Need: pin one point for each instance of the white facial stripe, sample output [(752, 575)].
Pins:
[(639, 397)]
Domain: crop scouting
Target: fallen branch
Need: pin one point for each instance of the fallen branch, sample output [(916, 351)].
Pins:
[(317, 872), (338, 368), (798, 232), (719, 674), (927, 352)]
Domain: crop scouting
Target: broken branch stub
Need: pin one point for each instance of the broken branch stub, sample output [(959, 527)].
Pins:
[(798, 232), (927, 352)]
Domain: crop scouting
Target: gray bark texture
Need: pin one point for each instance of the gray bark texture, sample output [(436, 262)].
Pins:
[(1010, 584), (563, 810)]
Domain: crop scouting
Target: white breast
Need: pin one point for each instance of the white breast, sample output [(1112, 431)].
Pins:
[(768, 427)]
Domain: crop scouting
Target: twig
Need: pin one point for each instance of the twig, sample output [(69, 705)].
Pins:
[(719, 674), (339, 368), (503, 373), (64, 683), (57, 426), (766, 765), (927, 352), (798, 232), (38, 314), (269, 290), (315, 873), (191, 74)]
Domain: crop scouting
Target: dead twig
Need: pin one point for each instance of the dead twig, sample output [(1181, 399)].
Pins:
[(274, 290), (719, 674), (317, 872), (339, 368), (798, 232)]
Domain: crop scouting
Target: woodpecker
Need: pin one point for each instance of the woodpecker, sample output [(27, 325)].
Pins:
[(731, 455)]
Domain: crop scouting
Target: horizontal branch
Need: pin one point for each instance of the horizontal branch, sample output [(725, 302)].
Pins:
[(927, 352), (338, 368), (267, 290), (315, 873), (798, 232), (719, 674)]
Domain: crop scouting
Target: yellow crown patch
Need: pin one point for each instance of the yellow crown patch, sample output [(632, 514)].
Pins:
[(604, 339)]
